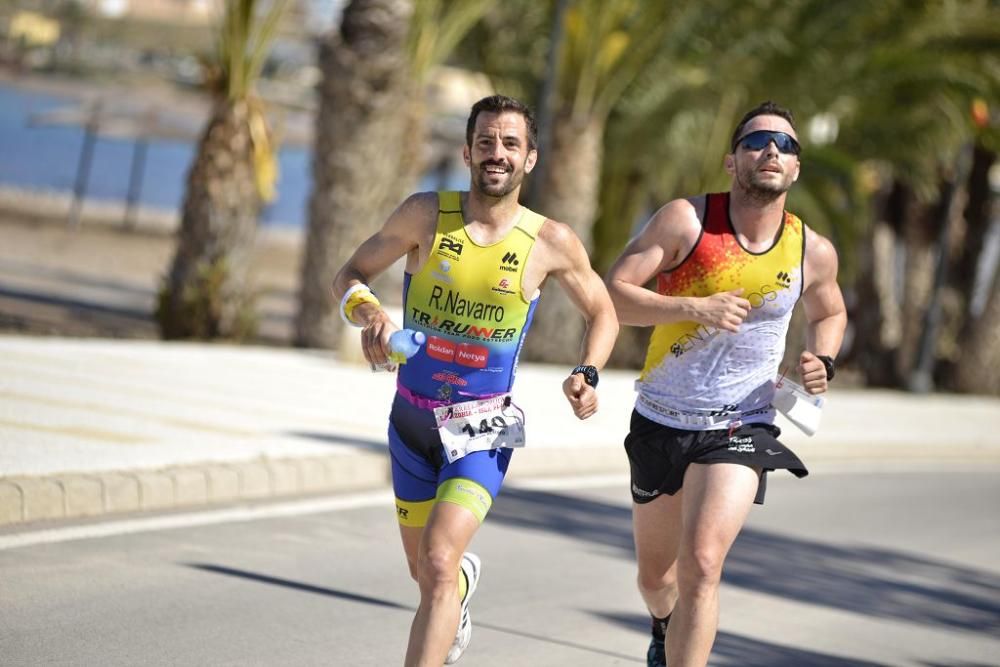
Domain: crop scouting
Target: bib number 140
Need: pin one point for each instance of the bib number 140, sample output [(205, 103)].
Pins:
[(480, 425), (497, 422)]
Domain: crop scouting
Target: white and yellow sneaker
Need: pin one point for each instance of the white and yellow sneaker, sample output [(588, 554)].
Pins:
[(471, 566)]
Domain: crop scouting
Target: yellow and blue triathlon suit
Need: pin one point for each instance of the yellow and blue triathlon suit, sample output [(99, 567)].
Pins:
[(468, 300)]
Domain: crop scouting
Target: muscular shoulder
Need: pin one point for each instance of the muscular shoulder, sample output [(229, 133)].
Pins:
[(821, 257), (415, 217), (556, 234), (559, 243), (679, 217), (673, 230), (420, 207)]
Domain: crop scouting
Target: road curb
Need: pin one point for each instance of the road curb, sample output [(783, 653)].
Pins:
[(28, 499)]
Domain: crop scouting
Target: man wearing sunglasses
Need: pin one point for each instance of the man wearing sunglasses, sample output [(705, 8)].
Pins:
[(730, 268)]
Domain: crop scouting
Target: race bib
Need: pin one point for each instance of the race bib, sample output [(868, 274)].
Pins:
[(475, 426), (798, 405)]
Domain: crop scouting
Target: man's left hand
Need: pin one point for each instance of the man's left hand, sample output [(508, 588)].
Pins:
[(582, 397), (813, 373)]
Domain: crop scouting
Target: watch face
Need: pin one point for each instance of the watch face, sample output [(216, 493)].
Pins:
[(589, 374)]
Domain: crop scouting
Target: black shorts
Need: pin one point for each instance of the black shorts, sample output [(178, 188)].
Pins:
[(658, 455)]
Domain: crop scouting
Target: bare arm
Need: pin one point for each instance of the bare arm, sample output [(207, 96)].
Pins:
[(401, 234), (663, 244), (569, 264), (825, 311)]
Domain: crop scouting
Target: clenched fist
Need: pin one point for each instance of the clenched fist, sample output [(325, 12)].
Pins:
[(813, 373), (724, 310), (582, 397)]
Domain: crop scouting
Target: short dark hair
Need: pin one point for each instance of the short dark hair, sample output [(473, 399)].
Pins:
[(767, 108), (499, 104)]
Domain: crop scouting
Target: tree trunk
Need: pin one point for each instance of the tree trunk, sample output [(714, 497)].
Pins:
[(918, 283), (878, 316), (976, 372), (979, 340), (359, 130), (939, 321), (205, 295), (567, 187)]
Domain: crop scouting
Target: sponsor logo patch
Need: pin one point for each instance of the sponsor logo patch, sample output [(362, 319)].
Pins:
[(742, 445), (474, 356), (440, 349), (450, 378), (450, 247), (643, 493), (441, 274), (509, 262), (503, 287)]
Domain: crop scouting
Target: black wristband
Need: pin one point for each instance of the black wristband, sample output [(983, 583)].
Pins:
[(589, 373), (831, 368)]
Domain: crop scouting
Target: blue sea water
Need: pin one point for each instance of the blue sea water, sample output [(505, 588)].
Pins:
[(47, 157)]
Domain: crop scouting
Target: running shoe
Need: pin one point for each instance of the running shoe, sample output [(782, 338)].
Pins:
[(471, 566), (656, 656)]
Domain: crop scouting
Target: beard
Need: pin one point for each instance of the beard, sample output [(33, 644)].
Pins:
[(487, 185), (760, 189)]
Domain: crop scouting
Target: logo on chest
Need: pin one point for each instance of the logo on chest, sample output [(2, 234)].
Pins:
[(509, 262), (450, 247), (442, 273), (504, 286)]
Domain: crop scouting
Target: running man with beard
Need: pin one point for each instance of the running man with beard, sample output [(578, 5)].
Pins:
[(730, 268), (475, 264)]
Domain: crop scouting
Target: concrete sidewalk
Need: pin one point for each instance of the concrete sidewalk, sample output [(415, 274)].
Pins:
[(92, 427)]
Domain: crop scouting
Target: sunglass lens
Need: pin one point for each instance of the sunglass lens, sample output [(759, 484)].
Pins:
[(785, 143), (755, 141)]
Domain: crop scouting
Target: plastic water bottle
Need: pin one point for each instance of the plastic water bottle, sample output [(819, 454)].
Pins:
[(403, 344)]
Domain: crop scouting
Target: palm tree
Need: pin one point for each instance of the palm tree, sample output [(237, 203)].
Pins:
[(205, 294), (436, 29), (605, 47), (370, 134), (623, 69), (355, 150), (896, 77), (908, 124), (979, 297), (896, 87)]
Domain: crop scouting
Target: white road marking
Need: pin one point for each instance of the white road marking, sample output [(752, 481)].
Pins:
[(191, 519)]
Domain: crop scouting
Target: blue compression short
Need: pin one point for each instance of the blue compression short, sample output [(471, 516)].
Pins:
[(422, 476)]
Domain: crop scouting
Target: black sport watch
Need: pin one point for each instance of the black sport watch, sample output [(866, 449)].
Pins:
[(831, 368), (589, 374)]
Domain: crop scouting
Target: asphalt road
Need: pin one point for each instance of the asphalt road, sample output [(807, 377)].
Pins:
[(839, 569)]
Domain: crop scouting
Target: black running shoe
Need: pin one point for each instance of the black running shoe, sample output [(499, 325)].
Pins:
[(656, 656)]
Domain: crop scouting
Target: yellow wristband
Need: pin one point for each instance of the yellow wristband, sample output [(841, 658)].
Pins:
[(358, 299), (354, 297)]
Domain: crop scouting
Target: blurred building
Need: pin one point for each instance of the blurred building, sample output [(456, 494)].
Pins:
[(315, 16), (33, 29), (196, 12)]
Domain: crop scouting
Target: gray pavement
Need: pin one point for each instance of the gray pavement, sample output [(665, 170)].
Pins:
[(91, 427)]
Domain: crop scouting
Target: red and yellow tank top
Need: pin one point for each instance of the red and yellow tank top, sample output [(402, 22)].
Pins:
[(696, 370), (467, 299)]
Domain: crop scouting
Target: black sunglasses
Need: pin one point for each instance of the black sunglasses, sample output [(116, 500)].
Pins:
[(755, 141)]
